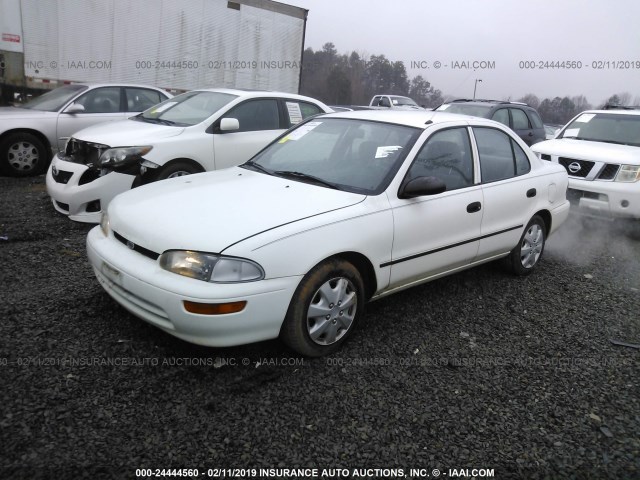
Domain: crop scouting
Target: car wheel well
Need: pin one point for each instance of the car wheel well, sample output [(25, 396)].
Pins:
[(193, 163), (35, 133), (365, 267), (546, 216)]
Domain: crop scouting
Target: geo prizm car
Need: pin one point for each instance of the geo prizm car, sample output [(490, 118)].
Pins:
[(343, 209)]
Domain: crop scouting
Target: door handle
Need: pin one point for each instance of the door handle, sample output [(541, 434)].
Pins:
[(474, 207), (531, 134), (531, 193)]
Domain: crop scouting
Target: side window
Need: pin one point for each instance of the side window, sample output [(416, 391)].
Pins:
[(520, 120), (501, 116), (298, 111), (535, 119), (101, 100), (500, 156), (256, 115), (522, 162), (139, 99), (384, 102), (446, 155)]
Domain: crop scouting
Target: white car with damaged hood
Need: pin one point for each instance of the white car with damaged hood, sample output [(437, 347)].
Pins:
[(197, 131), (345, 208)]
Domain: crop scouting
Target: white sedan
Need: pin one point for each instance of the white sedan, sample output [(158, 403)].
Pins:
[(345, 208), (193, 132)]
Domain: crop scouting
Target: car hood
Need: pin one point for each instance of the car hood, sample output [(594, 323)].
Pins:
[(19, 113), (211, 211), (586, 150), (126, 133)]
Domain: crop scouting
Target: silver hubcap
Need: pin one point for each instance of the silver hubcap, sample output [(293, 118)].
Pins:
[(332, 311), (180, 173), (531, 247), (23, 156)]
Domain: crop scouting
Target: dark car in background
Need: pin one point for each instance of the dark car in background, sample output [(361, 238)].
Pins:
[(520, 117)]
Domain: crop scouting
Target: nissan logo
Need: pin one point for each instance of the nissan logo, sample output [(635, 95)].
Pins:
[(574, 167), (130, 244)]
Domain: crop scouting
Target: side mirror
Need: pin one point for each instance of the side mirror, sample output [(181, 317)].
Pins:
[(75, 108), (229, 124), (422, 186)]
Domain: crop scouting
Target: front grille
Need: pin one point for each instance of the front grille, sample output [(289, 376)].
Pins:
[(576, 168), (61, 176), (86, 153), (89, 176), (609, 172), (144, 251), (574, 196)]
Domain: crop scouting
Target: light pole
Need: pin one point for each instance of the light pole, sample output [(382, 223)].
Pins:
[(475, 85)]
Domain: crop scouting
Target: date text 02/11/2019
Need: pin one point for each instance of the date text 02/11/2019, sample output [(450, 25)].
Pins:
[(578, 65)]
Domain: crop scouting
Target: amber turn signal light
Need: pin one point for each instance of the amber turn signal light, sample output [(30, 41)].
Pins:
[(214, 308)]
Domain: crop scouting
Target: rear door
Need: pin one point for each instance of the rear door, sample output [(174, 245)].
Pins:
[(509, 191), (521, 125)]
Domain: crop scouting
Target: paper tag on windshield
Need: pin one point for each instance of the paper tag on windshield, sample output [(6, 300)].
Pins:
[(384, 152), (164, 107), (300, 132), (585, 118), (295, 115), (443, 107), (571, 132)]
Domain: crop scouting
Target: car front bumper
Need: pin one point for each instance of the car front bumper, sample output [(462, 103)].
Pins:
[(83, 203), (157, 296), (604, 199)]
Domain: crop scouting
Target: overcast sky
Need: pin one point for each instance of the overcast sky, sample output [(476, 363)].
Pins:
[(505, 32)]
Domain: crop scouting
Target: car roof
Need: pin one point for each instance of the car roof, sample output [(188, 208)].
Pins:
[(256, 93), (112, 84), (411, 118)]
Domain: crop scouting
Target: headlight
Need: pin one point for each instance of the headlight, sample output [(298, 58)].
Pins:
[(116, 157), (209, 267), (628, 173), (104, 223)]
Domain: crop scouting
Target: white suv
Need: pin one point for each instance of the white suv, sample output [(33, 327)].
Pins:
[(194, 132), (601, 151)]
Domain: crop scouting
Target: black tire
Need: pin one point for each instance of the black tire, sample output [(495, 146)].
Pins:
[(533, 240), (332, 330), (176, 169), (22, 155)]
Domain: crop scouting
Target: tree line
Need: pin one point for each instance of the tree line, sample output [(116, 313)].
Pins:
[(353, 79)]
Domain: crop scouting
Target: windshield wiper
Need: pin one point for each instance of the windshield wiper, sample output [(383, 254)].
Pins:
[(256, 166), (305, 176), (154, 120)]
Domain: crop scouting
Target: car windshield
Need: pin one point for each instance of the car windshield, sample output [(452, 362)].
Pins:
[(466, 109), (55, 99), (355, 155), (403, 101), (605, 127), (187, 109)]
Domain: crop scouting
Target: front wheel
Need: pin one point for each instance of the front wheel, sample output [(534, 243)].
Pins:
[(526, 255), (177, 169), (325, 309)]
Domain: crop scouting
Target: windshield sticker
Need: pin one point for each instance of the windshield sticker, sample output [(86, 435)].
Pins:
[(300, 132), (295, 115), (394, 101), (571, 132), (585, 118), (164, 107), (443, 107), (384, 152)]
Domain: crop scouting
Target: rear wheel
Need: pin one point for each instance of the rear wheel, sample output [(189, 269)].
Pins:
[(526, 255), (325, 309), (23, 154)]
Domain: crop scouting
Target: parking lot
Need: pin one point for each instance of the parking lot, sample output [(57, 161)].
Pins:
[(480, 370)]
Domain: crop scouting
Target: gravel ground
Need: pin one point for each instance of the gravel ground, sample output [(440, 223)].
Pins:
[(479, 370)]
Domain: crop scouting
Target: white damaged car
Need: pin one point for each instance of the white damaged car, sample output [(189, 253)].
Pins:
[(190, 133), (345, 208)]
